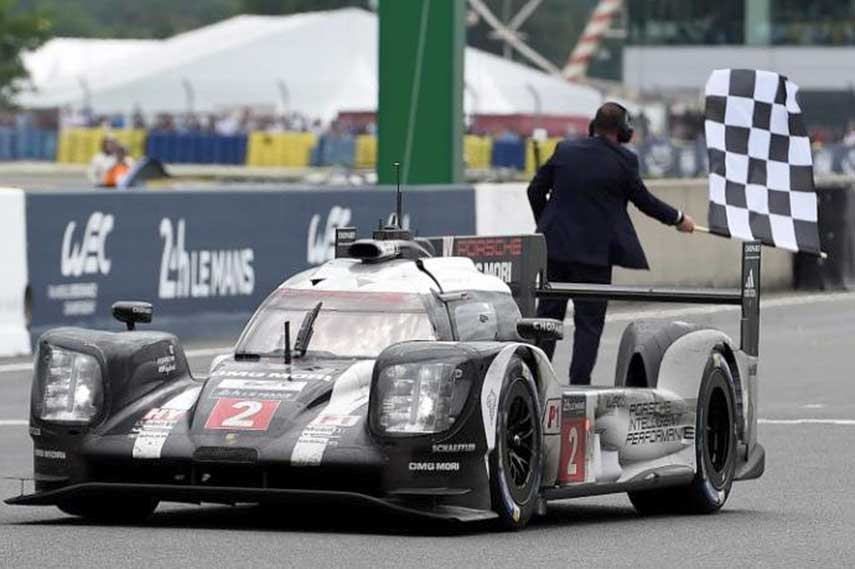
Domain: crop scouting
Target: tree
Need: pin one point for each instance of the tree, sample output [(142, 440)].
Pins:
[(18, 32)]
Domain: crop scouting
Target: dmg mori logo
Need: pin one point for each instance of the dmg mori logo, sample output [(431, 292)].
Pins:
[(85, 252)]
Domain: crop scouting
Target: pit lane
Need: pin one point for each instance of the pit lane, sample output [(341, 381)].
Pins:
[(802, 510)]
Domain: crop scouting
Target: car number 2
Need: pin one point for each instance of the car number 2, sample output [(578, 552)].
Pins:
[(242, 414), (573, 451)]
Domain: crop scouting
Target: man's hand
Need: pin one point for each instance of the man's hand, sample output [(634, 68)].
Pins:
[(687, 225)]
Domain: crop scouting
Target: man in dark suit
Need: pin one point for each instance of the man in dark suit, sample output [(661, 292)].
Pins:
[(579, 199)]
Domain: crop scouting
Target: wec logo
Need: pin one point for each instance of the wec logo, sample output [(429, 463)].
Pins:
[(321, 239), (87, 256)]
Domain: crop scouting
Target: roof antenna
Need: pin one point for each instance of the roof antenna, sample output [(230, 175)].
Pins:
[(398, 210)]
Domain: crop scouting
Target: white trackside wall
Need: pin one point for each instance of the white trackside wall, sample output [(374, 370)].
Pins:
[(14, 336), (675, 259)]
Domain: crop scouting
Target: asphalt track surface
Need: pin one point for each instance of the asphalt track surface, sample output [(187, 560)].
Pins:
[(801, 513)]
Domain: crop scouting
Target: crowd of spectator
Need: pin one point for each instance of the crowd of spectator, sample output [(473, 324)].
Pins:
[(683, 123), (237, 121)]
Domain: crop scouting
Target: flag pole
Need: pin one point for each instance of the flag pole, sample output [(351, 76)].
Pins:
[(704, 229)]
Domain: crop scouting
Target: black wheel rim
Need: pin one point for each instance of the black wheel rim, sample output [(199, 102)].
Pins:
[(717, 437), (520, 441)]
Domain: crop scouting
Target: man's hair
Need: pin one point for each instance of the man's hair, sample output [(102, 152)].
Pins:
[(609, 117), (612, 117)]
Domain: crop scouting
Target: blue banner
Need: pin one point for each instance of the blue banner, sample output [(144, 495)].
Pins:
[(205, 259)]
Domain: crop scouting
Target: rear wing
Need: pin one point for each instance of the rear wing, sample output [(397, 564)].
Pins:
[(520, 261)]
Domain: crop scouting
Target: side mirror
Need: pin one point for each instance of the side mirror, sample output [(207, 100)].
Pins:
[(130, 312), (540, 329)]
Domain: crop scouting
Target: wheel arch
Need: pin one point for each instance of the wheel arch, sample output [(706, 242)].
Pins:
[(685, 360), (548, 388)]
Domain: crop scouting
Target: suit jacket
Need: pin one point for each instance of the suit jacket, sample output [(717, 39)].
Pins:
[(589, 182)]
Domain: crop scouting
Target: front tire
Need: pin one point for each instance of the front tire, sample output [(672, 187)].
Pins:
[(117, 510), (715, 451), (516, 463)]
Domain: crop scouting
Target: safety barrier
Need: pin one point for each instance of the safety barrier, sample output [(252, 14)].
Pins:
[(366, 151), (14, 337), (292, 149), (79, 145), (544, 150), (196, 148), (477, 151), (27, 144), (204, 257), (509, 153)]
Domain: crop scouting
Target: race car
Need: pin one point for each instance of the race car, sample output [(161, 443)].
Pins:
[(394, 377)]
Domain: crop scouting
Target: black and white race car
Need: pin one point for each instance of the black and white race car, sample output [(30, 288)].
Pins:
[(397, 378)]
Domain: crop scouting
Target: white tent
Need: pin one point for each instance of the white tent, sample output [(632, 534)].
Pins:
[(63, 59), (318, 63)]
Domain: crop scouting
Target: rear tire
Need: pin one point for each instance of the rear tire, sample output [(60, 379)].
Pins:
[(116, 510), (715, 451), (516, 463)]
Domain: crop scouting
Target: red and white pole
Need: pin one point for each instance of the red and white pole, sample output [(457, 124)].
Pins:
[(586, 47)]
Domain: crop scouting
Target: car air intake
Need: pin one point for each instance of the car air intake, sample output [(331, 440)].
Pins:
[(372, 251), (375, 250), (226, 455)]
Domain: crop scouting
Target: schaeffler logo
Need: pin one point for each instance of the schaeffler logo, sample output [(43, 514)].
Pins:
[(201, 273), (320, 246), (86, 253)]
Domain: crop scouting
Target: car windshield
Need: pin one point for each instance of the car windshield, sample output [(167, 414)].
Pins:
[(349, 324)]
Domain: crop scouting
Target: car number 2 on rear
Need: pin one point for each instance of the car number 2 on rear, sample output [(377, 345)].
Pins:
[(573, 451), (242, 414)]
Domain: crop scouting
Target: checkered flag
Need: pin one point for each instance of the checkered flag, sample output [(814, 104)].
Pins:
[(761, 170)]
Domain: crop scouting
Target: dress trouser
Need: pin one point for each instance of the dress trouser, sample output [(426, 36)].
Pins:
[(589, 316)]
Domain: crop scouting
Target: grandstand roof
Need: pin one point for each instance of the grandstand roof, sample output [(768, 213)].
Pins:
[(319, 63)]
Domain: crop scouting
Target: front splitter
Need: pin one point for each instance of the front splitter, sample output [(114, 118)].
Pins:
[(232, 495)]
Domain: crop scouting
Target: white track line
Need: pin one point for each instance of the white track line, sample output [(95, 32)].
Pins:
[(841, 422), (199, 353), (14, 422), (10, 368)]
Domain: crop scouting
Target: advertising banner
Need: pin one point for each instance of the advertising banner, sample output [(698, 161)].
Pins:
[(204, 259)]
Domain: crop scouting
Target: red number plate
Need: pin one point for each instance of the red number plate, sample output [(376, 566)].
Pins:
[(242, 414), (573, 451)]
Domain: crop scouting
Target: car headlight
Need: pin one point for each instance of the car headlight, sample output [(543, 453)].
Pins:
[(69, 387), (419, 398)]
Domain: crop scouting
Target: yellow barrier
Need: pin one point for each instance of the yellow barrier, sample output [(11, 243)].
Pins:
[(280, 149), (477, 151), (79, 145), (547, 147), (366, 151)]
